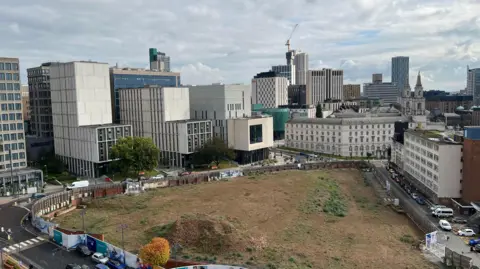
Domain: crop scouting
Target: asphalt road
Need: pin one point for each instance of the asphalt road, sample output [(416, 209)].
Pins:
[(10, 218), (48, 256)]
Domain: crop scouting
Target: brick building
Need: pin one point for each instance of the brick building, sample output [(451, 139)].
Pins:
[(351, 91), (471, 164)]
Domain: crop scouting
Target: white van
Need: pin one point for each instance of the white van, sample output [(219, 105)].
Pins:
[(443, 212), (78, 184)]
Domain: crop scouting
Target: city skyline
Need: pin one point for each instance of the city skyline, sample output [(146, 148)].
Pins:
[(231, 42)]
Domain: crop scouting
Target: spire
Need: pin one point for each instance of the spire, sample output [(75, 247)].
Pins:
[(419, 80)]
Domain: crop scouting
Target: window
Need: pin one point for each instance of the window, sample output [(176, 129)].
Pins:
[(16, 77), (256, 134), (4, 107), (14, 66), (18, 97), (2, 66), (13, 126), (19, 126), (8, 66), (10, 97), (21, 145), (2, 76), (4, 116), (16, 86), (22, 155), (19, 116), (5, 127), (9, 87), (8, 76), (2, 86), (11, 116)]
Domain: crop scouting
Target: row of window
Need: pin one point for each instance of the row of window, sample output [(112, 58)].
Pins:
[(423, 142), (15, 156), (357, 126), (11, 126), (424, 152), (10, 96), (10, 76), (427, 182), (8, 137), (11, 107), (9, 86), (8, 66), (12, 116)]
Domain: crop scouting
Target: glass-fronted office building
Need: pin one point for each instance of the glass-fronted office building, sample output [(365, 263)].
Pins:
[(127, 78)]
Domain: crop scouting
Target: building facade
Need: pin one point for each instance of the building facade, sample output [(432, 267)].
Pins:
[(348, 137), (351, 91), (251, 138), (40, 100), (82, 117), (400, 72), (25, 102), (432, 163), (413, 103), (286, 71), (387, 91), (448, 103), (301, 68), (473, 84), (297, 95), (471, 164), (163, 114), (159, 61), (220, 102), (325, 84), (12, 149), (129, 78), (269, 89)]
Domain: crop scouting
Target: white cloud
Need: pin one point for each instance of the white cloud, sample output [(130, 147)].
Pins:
[(233, 40), (199, 73)]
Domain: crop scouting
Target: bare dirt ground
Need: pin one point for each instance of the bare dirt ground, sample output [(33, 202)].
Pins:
[(283, 220)]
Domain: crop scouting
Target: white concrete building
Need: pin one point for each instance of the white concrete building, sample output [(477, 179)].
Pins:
[(271, 92), (301, 68), (251, 137), (432, 162), (218, 103), (348, 137), (323, 85), (163, 114), (308, 111), (82, 116)]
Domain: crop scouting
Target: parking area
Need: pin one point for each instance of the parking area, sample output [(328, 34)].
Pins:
[(50, 256)]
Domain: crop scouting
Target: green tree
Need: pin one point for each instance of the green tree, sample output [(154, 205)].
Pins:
[(135, 154), (319, 113), (215, 151)]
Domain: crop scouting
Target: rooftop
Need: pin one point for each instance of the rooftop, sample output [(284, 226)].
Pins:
[(348, 121), (104, 125), (140, 71), (434, 136)]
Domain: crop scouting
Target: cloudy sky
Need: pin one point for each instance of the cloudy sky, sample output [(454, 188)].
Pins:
[(231, 40)]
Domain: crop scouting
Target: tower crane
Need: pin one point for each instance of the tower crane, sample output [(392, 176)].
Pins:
[(291, 34)]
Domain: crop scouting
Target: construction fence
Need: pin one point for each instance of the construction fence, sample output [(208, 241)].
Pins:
[(456, 260)]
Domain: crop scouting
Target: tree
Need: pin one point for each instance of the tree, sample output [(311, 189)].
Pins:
[(155, 253), (135, 154), (319, 113), (214, 150)]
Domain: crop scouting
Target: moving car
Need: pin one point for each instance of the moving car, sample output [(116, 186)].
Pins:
[(99, 258), (82, 249), (37, 195), (466, 232), (459, 220), (420, 201), (78, 184), (443, 212), (445, 225)]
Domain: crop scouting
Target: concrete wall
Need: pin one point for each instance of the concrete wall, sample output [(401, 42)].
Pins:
[(239, 133)]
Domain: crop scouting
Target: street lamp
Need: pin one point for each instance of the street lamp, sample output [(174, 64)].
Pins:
[(82, 213), (122, 227)]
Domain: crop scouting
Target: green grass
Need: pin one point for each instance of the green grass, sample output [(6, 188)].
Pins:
[(335, 205), (407, 239), (324, 154)]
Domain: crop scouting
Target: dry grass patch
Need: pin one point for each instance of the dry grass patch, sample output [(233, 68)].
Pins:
[(294, 219)]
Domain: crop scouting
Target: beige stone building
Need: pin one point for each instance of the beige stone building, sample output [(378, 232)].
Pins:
[(351, 91)]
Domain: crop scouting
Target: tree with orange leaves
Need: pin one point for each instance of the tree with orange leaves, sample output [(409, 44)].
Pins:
[(155, 253)]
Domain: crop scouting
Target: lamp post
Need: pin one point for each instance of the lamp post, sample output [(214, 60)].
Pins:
[(122, 227), (83, 212)]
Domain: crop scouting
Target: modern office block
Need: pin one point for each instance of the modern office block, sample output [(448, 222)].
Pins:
[(129, 78), (269, 89), (82, 117), (400, 72), (325, 84)]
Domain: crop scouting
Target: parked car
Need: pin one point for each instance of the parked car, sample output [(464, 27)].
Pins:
[(101, 266), (99, 258), (82, 249), (73, 266), (473, 242), (433, 207), (445, 225), (477, 248), (414, 196), (420, 201), (459, 220), (37, 195), (112, 264), (466, 232), (443, 212)]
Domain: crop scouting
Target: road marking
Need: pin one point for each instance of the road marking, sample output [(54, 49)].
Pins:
[(28, 241), (6, 249), (40, 238), (12, 248), (17, 246), (23, 244), (34, 240)]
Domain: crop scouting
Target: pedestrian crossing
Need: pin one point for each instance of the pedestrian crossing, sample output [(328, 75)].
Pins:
[(24, 245)]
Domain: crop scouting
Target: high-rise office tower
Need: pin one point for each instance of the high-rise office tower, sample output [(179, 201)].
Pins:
[(473, 84), (269, 89), (40, 101), (301, 68), (159, 60), (12, 133), (400, 69), (286, 71), (323, 85)]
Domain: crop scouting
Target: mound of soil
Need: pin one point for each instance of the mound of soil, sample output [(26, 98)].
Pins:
[(207, 234)]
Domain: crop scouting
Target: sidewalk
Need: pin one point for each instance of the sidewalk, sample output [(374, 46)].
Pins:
[(10, 199)]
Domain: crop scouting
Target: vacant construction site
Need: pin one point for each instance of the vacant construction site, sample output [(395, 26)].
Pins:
[(290, 219)]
